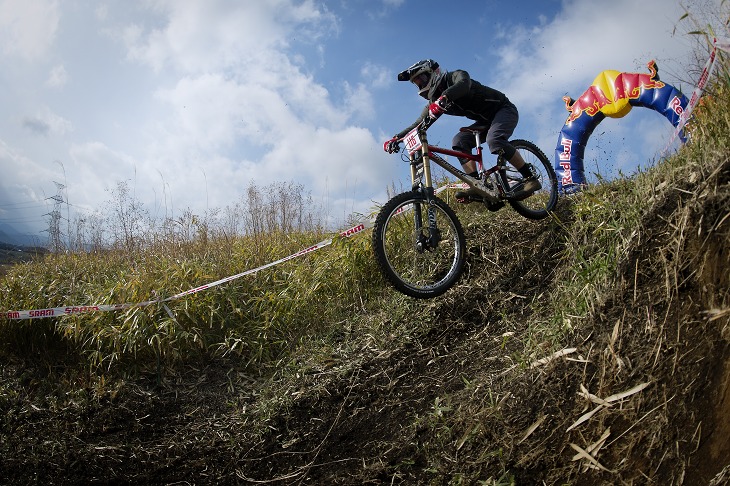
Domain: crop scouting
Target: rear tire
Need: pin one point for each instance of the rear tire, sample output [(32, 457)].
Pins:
[(543, 201), (410, 260)]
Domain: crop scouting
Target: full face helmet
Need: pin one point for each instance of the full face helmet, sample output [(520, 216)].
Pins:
[(426, 75)]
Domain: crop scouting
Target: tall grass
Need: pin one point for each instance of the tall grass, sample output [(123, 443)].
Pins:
[(257, 317)]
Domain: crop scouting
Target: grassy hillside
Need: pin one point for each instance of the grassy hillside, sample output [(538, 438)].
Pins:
[(592, 348)]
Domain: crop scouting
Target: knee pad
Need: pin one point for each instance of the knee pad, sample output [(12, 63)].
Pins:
[(505, 150)]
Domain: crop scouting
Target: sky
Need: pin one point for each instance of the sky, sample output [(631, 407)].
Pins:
[(190, 101)]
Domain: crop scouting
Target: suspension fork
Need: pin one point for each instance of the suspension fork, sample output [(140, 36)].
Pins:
[(426, 240), (424, 163), (434, 235)]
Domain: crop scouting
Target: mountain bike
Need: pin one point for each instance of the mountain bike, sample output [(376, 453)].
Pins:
[(418, 241)]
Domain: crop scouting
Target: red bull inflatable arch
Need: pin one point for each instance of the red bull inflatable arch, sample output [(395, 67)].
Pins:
[(612, 94)]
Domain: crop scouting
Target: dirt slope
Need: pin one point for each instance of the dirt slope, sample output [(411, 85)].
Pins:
[(452, 408), (455, 404)]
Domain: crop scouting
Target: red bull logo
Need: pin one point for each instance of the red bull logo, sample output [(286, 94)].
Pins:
[(676, 106), (565, 157), (630, 85), (611, 91), (591, 101)]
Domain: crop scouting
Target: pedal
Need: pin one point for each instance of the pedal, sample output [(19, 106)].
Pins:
[(467, 199)]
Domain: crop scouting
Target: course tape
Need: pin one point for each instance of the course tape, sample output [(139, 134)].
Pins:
[(81, 309)]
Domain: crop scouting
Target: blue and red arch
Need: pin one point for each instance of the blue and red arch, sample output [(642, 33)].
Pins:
[(612, 94)]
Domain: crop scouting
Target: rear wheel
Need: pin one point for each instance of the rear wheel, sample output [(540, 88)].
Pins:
[(416, 260), (541, 202)]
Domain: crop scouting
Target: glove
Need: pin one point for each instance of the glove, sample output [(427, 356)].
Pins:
[(437, 108), (391, 146)]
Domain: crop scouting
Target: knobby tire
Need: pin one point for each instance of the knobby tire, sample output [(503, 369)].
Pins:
[(413, 270)]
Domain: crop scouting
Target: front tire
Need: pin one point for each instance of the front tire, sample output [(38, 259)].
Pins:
[(415, 261)]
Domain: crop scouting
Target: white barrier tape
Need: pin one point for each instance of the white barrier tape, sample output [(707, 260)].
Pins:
[(721, 43), (68, 310)]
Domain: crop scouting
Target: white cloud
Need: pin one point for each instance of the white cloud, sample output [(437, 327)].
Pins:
[(87, 161), (359, 103), (47, 123), (58, 77), (587, 37), (240, 94), (200, 37), (27, 28), (194, 100), (23, 180), (375, 75)]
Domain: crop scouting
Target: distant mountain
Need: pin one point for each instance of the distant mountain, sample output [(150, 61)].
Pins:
[(21, 236), (12, 254)]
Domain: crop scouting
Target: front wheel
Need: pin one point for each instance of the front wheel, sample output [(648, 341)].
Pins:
[(540, 203), (419, 246)]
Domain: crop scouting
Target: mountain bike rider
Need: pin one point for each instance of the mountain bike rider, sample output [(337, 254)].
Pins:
[(455, 93)]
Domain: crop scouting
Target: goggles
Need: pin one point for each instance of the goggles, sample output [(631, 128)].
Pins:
[(420, 80)]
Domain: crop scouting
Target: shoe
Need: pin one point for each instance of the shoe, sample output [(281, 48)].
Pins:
[(526, 188), (531, 184)]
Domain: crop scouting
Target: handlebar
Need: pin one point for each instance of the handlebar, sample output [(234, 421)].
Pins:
[(429, 119), (425, 124)]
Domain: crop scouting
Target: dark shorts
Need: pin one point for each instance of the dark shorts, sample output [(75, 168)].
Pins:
[(497, 137)]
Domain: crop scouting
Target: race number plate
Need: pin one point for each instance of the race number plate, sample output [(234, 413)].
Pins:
[(412, 141)]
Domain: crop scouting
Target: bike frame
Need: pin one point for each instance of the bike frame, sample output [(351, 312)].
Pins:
[(417, 141)]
